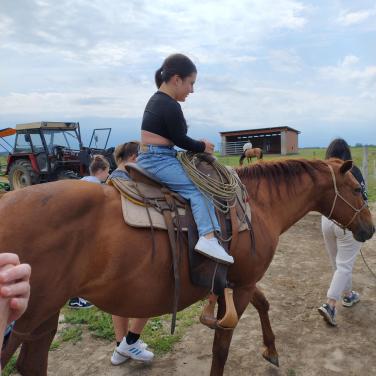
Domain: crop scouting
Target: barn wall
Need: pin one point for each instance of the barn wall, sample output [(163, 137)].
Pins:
[(291, 142)]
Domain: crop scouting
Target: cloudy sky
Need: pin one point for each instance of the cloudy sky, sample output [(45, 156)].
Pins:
[(310, 65)]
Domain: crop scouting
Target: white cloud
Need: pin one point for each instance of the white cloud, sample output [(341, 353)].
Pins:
[(285, 61), (348, 71), (258, 60), (89, 102), (244, 59), (348, 18), (208, 25), (6, 26), (349, 60)]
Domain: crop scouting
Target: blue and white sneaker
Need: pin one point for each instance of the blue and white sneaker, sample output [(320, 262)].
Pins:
[(118, 358), (136, 351), (328, 313), (349, 301), (79, 303)]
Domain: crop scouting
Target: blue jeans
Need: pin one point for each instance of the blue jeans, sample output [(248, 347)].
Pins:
[(161, 162)]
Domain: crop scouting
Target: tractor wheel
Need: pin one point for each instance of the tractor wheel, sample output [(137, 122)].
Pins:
[(64, 175), (21, 174)]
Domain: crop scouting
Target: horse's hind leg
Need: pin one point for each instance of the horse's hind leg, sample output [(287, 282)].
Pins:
[(222, 338), (259, 301), (33, 357)]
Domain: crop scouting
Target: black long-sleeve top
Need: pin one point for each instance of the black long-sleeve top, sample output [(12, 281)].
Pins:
[(163, 116)]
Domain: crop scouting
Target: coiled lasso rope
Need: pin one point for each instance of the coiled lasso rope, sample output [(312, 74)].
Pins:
[(221, 192)]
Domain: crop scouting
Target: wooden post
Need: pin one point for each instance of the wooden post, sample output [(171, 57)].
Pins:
[(365, 165)]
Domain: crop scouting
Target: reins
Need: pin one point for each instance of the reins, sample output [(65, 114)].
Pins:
[(337, 194)]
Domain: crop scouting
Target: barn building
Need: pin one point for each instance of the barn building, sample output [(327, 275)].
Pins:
[(275, 140)]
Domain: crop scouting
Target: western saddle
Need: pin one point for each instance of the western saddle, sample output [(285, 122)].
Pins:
[(146, 190)]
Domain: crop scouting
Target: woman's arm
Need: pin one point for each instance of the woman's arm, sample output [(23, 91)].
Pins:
[(177, 130)]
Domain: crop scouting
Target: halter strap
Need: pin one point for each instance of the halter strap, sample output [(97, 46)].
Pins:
[(337, 194)]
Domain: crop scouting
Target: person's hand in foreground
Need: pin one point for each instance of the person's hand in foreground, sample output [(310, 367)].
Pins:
[(14, 285)]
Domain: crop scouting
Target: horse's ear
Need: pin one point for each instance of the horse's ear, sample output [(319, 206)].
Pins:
[(346, 166)]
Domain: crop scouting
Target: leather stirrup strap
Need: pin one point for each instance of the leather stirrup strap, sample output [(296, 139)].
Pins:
[(234, 229), (175, 257)]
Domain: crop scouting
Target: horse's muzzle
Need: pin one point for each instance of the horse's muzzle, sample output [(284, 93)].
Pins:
[(365, 233)]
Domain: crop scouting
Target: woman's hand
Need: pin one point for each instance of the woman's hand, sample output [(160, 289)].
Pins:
[(14, 284), (209, 147)]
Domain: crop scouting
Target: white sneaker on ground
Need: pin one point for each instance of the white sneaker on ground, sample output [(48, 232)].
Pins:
[(118, 358), (136, 351), (212, 249)]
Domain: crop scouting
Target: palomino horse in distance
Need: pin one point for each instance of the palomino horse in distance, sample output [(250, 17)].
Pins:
[(73, 235), (249, 154)]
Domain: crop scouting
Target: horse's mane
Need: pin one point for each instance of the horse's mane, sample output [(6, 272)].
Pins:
[(287, 172)]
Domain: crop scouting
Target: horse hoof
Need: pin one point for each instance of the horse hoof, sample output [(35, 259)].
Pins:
[(272, 359)]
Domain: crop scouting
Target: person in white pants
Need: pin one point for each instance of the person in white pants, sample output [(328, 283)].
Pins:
[(341, 246), (342, 250)]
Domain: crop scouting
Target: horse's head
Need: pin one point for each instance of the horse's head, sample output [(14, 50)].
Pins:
[(345, 203)]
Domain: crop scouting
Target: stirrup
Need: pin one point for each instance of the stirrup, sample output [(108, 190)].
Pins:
[(207, 316), (230, 318)]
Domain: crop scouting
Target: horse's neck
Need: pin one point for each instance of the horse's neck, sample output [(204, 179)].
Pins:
[(293, 203)]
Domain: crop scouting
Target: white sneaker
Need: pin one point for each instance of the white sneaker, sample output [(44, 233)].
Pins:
[(118, 358), (212, 249), (136, 351)]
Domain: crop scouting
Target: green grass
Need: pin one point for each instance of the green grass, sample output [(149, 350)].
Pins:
[(71, 334), (319, 153), (156, 333), (10, 368)]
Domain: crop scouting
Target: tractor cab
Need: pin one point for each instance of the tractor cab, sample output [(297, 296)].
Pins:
[(48, 151)]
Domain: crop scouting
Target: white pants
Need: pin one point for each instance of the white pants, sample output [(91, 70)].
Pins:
[(342, 249)]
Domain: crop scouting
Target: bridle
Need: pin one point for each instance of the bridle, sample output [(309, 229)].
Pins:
[(337, 194)]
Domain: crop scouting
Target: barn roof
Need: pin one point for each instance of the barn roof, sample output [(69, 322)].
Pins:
[(259, 130)]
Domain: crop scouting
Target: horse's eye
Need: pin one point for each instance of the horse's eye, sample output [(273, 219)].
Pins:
[(358, 190)]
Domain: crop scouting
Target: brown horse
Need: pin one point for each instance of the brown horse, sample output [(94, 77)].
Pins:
[(249, 154), (73, 235)]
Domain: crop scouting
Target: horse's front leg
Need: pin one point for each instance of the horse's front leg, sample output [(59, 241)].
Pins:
[(259, 301), (33, 357), (222, 338)]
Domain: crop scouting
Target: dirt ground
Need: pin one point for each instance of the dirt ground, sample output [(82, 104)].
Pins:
[(295, 285)]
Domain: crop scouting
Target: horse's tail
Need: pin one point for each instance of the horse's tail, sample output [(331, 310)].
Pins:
[(242, 159), (261, 154)]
